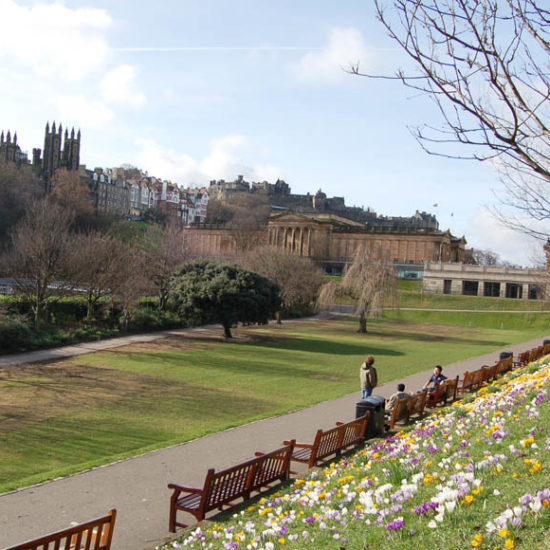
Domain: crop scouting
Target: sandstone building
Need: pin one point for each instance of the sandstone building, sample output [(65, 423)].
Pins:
[(332, 240)]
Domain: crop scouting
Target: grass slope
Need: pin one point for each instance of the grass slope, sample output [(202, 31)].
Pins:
[(69, 415)]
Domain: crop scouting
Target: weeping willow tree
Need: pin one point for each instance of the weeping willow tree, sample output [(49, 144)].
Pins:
[(369, 282)]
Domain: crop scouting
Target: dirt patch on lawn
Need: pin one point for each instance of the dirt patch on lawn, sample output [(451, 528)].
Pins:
[(35, 392)]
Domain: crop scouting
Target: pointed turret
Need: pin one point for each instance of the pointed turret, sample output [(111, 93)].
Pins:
[(78, 135), (8, 137), (66, 134), (2, 137), (15, 138), (60, 128), (72, 133), (47, 127), (53, 127)]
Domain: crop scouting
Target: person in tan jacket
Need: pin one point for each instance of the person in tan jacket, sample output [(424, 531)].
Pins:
[(399, 394), (368, 376)]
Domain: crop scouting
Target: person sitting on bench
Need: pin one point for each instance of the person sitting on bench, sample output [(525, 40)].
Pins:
[(399, 394), (435, 379)]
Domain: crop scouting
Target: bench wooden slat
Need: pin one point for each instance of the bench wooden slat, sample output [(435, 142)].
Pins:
[(79, 537)]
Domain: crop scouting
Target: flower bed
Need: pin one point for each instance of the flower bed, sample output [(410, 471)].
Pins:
[(470, 475)]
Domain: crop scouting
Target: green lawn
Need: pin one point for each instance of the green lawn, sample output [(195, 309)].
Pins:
[(93, 409)]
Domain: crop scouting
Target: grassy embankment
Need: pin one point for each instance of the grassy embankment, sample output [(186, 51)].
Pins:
[(69, 415)]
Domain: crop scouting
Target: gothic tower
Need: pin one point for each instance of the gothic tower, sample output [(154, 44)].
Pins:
[(9, 150), (52, 151), (71, 151), (54, 157)]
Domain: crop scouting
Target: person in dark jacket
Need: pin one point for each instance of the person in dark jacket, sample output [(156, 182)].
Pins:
[(435, 378)]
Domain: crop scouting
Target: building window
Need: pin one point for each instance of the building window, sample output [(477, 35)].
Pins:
[(470, 288), (491, 289), (447, 285), (534, 292), (513, 290)]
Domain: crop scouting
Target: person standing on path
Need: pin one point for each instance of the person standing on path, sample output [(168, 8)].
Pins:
[(368, 376)]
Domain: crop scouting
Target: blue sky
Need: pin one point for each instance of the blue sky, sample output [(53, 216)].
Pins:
[(194, 91)]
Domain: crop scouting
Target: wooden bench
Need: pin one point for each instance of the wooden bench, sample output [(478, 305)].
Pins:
[(92, 535), (536, 353), (444, 391), (522, 359), (225, 486), (471, 381), (489, 373), (331, 442), (401, 411), (419, 404)]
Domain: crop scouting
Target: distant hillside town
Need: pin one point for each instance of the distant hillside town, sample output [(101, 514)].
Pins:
[(313, 225), (228, 218)]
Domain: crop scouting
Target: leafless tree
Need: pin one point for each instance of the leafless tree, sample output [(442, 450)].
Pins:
[(299, 279), (95, 266), (484, 63), (130, 282), (478, 256), (71, 192), (37, 260), (369, 281), (164, 249)]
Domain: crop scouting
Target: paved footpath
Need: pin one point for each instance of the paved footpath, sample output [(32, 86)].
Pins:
[(137, 487)]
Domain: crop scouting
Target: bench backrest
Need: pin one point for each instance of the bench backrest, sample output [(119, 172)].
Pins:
[(354, 431), (327, 442), (272, 466), (92, 535), (489, 373), (227, 485), (401, 410), (419, 404), (537, 353), (472, 380)]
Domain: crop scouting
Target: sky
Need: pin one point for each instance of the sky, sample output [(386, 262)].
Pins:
[(193, 91)]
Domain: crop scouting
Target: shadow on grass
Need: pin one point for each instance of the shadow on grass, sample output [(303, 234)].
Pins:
[(442, 338), (330, 347)]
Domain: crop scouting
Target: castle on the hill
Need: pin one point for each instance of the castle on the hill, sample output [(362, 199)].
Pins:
[(60, 151), (282, 199)]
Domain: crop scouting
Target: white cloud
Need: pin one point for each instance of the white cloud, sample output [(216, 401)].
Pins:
[(90, 113), (486, 232), (222, 162), (117, 87), (345, 47), (52, 39)]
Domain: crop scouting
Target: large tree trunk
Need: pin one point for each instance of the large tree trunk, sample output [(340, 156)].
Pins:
[(227, 331), (362, 323)]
